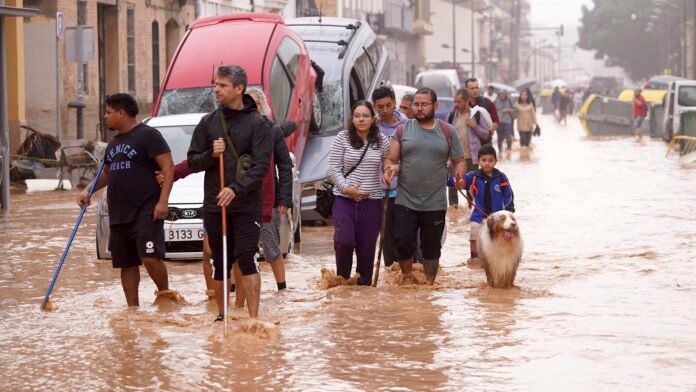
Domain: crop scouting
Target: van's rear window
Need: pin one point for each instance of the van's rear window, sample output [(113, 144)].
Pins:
[(687, 96)]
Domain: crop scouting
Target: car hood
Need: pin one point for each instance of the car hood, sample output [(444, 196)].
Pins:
[(315, 159), (188, 190)]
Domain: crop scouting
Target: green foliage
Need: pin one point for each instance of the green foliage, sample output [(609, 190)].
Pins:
[(616, 30)]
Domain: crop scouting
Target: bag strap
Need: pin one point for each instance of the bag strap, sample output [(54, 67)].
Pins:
[(445, 129), (223, 123), (443, 124), (359, 160)]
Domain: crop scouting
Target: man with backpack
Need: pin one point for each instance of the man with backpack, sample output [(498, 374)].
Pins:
[(418, 154)]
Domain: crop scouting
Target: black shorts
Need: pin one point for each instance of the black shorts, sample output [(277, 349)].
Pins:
[(243, 232), (407, 223), (130, 242)]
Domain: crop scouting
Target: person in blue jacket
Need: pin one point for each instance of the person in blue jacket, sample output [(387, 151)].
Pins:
[(490, 190)]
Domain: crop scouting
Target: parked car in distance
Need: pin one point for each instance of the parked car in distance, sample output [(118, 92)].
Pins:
[(183, 227), (400, 90), (661, 82), (354, 63), (680, 98), (445, 82), (444, 107)]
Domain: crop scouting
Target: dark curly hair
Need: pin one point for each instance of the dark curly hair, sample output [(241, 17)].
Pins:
[(373, 135)]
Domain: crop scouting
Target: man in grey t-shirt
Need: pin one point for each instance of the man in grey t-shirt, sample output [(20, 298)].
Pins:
[(418, 154)]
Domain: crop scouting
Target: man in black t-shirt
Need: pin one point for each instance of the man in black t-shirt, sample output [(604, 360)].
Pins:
[(137, 204)]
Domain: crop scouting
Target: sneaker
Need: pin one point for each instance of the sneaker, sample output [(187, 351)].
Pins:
[(220, 317)]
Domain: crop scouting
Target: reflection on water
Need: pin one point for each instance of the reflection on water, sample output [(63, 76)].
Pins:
[(605, 298)]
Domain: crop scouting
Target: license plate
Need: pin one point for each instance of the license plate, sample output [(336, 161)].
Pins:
[(183, 234)]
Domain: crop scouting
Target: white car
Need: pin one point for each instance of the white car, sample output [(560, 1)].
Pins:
[(183, 228)]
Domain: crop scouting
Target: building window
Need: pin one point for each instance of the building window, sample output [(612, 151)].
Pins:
[(130, 48), (155, 60), (81, 21)]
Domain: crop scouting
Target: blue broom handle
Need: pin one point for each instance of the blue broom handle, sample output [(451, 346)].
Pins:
[(72, 236)]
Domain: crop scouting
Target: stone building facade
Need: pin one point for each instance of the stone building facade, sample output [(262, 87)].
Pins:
[(134, 40)]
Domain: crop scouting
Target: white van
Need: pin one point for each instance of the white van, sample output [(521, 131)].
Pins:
[(445, 82), (680, 97)]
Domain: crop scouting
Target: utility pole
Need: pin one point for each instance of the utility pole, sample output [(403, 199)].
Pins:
[(473, 50), (515, 64), (454, 36)]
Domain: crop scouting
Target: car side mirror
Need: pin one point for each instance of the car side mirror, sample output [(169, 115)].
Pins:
[(288, 128)]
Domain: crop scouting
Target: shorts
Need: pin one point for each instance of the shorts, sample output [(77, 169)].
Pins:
[(406, 225), (270, 237), (243, 231), (475, 229), (129, 243), (639, 122)]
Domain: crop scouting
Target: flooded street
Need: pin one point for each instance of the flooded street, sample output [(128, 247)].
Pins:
[(606, 298)]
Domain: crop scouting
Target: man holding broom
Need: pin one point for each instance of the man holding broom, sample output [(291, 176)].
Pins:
[(239, 134), (137, 204)]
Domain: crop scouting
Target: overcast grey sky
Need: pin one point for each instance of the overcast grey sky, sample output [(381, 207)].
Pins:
[(553, 13), (556, 12)]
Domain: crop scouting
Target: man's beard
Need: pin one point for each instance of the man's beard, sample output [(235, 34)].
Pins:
[(425, 117)]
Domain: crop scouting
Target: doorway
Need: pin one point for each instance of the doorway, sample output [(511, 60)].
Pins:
[(107, 32)]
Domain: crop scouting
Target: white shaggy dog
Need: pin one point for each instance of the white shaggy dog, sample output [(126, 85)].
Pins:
[(500, 248)]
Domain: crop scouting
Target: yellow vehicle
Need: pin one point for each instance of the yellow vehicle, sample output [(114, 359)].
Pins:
[(604, 116)]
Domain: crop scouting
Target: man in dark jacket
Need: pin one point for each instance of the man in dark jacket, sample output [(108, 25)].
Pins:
[(238, 122), (475, 99)]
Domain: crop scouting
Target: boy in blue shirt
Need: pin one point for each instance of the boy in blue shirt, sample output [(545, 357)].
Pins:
[(490, 190)]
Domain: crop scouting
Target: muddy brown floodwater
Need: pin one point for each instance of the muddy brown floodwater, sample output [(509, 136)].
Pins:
[(606, 298)]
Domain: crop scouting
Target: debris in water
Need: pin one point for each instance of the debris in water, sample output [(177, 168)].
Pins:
[(474, 263), (412, 278), (329, 279), (172, 295), (256, 329), (49, 306)]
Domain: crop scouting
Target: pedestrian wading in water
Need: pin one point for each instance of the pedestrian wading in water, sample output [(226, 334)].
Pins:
[(234, 130), (526, 122), (418, 154), (354, 168), (490, 190), (276, 198), (137, 204), (389, 119)]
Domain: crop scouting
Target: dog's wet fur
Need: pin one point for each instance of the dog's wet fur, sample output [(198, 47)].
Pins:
[(500, 248)]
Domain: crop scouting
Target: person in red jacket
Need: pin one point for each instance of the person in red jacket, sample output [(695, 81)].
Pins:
[(276, 199), (640, 111)]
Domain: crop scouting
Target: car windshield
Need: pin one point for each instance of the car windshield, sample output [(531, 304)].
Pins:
[(188, 100), (687, 96), (178, 138)]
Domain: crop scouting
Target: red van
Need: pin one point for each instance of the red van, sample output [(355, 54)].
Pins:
[(274, 57)]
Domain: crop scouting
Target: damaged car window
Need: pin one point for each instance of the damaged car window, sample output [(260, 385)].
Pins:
[(187, 100), (331, 99)]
